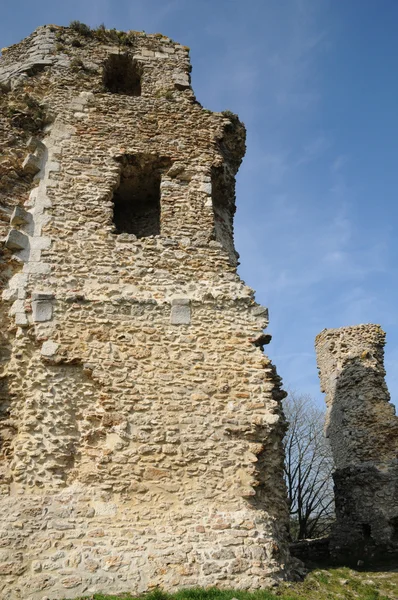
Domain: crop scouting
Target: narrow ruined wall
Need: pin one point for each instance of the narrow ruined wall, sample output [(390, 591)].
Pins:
[(141, 422), (363, 432)]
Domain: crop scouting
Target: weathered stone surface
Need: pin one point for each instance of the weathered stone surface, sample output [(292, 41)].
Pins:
[(41, 311), (135, 453), (31, 165), (16, 240), (363, 432), (49, 349), (19, 216)]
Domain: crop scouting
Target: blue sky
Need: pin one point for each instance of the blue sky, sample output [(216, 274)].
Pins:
[(315, 82)]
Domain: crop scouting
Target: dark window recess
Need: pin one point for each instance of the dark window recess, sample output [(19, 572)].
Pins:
[(366, 531), (394, 526), (223, 196), (122, 75), (137, 199)]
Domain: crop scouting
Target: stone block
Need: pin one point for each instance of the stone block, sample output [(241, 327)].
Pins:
[(180, 314), (260, 311), (37, 268), (41, 311), (16, 240), (49, 349), (180, 302), (31, 165), (34, 143), (21, 319), (181, 81), (43, 296), (19, 216), (206, 188)]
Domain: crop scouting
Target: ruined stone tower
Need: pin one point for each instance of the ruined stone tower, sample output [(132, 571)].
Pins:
[(140, 421), (363, 432)]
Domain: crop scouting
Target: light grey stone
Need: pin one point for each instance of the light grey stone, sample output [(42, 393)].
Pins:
[(19, 216), (206, 188), (180, 315), (31, 164), (16, 240), (181, 82), (260, 311), (49, 349), (34, 143), (41, 311), (21, 319), (180, 302), (43, 296), (37, 268)]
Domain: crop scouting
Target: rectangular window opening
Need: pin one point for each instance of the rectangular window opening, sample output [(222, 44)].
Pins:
[(122, 75), (223, 198), (136, 201)]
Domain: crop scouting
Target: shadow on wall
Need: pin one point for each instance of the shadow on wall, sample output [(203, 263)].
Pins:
[(363, 432)]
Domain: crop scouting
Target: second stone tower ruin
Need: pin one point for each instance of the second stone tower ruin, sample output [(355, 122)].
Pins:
[(363, 432)]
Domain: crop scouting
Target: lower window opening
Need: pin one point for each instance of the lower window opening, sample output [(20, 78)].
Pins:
[(137, 199), (367, 531)]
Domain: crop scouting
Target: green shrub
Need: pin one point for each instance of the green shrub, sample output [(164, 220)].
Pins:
[(114, 36), (27, 114), (230, 115), (80, 28), (163, 93), (4, 88), (76, 64)]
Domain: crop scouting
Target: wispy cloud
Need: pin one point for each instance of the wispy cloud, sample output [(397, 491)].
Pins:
[(339, 163), (314, 149)]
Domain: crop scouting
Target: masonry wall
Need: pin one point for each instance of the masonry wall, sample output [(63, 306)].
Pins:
[(141, 422), (363, 432)]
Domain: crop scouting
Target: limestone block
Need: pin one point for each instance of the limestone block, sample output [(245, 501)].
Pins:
[(10, 294), (37, 268), (49, 349), (16, 240), (19, 216), (180, 302), (31, 165), (181, 80), (43, 296), (206, 188), (21, 319), (180, 311), (34, 143), (41, 311), (260, 311)]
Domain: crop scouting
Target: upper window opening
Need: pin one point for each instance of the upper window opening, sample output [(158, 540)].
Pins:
[(137, 199), (122, 75)]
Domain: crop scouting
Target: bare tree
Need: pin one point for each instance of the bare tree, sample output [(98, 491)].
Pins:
[(308, 468)]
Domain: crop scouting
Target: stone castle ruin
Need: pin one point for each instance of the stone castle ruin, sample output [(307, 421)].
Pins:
[(363, 432), (140, 421)]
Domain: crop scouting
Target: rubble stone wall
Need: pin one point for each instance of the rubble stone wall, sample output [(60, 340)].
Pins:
[(140, 421), (363, 432)]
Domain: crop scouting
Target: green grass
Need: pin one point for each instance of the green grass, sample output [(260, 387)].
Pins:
[(320, 584)]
